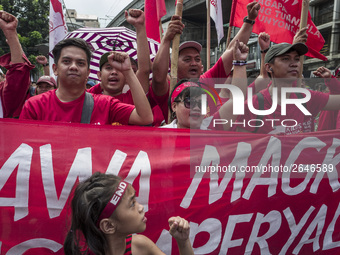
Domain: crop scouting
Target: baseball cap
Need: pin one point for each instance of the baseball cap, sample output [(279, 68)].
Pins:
[(103, 59), (190, 44), (48, 79), (91, 83), (282, 48)]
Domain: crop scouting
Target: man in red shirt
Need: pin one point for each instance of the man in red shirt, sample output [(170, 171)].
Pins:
[(72, 60), (282, 62)]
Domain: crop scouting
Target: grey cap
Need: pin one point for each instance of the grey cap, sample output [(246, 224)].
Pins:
[(282, 48), (190, 44)]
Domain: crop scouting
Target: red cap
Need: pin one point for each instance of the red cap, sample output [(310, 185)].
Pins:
[(48, 79)]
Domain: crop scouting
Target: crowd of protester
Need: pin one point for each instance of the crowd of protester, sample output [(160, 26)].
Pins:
[(72, 97), (124, 94)]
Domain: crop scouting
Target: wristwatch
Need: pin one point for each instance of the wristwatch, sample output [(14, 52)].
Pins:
[(246, 20)]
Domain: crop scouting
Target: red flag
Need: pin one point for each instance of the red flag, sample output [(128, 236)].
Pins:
[(154, 11), (58, 29), (280, 19)]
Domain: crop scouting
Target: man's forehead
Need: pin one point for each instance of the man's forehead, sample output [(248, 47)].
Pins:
[(71, 51), (189, 52)]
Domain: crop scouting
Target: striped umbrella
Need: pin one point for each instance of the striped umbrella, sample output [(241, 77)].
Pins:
[(103, 40)]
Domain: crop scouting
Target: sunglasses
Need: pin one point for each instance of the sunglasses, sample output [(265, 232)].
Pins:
[(190, 102)]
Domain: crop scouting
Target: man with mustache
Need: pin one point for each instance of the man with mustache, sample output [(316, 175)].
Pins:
[(189, 59)]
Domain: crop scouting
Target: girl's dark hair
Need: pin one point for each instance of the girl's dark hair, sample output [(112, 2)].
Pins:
[(89, 200), (77, 42), (187, 92)]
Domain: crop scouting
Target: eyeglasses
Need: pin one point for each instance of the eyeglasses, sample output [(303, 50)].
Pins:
[(190, 102)]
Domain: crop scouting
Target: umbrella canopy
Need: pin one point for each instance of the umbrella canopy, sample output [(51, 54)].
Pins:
[(103, 40)]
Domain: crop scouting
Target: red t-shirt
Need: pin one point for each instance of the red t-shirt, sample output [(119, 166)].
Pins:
[(329, 119), (127, 99), (48, 107), (304, 123)]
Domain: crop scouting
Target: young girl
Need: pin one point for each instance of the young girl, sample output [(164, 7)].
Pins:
[(105, 214)]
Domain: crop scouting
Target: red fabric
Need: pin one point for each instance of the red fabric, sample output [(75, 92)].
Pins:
[(305, 123), (154, 11), (13, 90), (334, 85), (327, 120), (127, 99), (280, 19), (48, 107), (128, 245), (338, 121), (40, 162)]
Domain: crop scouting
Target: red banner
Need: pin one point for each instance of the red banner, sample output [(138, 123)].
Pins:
[(281, 20), (291, 206)]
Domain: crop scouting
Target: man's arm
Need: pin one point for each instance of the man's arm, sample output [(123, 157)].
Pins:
[(242, 36), (333, 103), (42, 60), (160, 65), (263, 79), (8, 25), (301, 36), (136, 18), (142, 114), (14, 89), (331, 82), (240, 53)]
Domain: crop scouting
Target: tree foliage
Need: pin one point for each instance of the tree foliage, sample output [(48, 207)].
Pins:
[(33, 26)]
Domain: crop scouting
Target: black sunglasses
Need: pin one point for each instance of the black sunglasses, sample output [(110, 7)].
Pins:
[(190, 102)]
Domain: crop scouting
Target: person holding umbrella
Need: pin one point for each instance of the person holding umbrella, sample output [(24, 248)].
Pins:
[(72, 60)]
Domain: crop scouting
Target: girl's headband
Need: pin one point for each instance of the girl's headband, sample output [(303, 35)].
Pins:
[(114, 201), (180, 88)]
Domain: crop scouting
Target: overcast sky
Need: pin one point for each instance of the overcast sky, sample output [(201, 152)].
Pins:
[(100, 8)]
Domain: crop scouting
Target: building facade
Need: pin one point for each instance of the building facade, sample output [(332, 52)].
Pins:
[(75, 20)]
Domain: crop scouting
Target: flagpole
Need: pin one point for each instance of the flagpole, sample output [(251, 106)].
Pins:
[(174, 52), (303, 23), (231, 18), (208, 35), (160, 30), (229, 34)]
